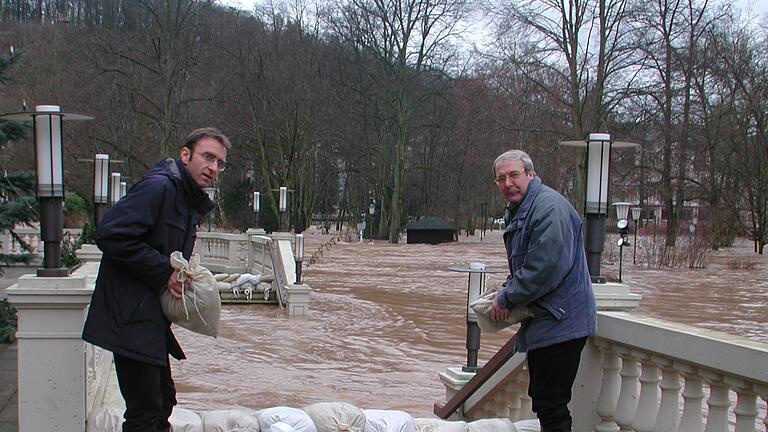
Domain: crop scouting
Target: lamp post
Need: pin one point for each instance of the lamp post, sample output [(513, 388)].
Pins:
[(475, 288), (114, 189), (211, 192), (622, 210), (299, 256), (598, 147), (123, 189), (283, 207), (48, 121), (369, 224), (256, 207), (635, 217), (100, 185), (483, 208)]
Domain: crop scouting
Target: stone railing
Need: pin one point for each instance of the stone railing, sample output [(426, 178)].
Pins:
[(31, 236), (646, 375)]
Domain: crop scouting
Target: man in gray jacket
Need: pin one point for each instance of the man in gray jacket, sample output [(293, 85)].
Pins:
[(547, 273)]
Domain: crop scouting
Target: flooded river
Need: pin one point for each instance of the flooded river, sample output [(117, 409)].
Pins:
[(386, 319)]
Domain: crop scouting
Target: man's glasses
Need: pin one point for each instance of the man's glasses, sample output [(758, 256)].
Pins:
[(211, 158), (502, 179)]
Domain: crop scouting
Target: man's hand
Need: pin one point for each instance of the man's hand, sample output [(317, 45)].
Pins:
[(174, 286), (498, 314)]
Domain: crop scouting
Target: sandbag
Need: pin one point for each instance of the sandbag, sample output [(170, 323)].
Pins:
[(199, 309), (229, 421), (336, 417), (530, 425), (482, 308), (293, 417), (106, 419), (437, 425), (388, 421), (492, 425), (184, 420)]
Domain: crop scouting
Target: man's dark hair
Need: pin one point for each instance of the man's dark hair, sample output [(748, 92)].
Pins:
[(206, 132)]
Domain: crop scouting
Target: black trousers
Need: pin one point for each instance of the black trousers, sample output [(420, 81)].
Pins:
[(552, 371), (149, 394)]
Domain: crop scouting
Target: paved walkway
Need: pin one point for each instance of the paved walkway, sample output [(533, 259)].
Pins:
[(9, 403)]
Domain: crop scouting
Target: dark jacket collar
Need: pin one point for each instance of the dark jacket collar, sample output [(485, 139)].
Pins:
[(193, 193)]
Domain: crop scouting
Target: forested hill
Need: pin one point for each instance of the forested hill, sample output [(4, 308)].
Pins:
[(359, 102)]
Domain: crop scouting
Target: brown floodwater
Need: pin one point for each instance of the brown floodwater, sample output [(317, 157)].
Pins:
[(386, 319)]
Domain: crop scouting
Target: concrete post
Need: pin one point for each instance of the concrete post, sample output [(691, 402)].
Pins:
[(297, 299), (51, 353)]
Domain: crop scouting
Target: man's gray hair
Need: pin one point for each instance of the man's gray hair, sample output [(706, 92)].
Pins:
[(206, 132), (515, 155)]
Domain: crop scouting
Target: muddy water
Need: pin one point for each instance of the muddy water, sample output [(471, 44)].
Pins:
[(386, 319)]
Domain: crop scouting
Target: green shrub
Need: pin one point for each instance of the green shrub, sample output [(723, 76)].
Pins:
[(7, 322)]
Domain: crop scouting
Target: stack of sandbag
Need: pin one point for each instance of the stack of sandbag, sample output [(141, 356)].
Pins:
[(184, 420), (336, 417), (388, 421), (229, 421), (284, 419)]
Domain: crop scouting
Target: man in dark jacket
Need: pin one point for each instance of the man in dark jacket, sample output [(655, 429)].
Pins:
[(137, 236), (548, 273)]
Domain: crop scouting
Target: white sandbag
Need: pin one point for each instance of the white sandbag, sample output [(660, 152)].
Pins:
[(220, 276), (294, 417), (388, 421), (247, 278), (184, 420), (530, 425), (229, 421), (492, 425), (199, 308), (223, 286), (336, 417), (106, 419), (482, 308), (231, 278), (437, 425)]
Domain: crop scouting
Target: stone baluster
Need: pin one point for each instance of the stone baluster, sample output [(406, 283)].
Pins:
[(526, 403), (627, 403), (763, 392), (668, 417), (648, 403), (746, 406), (718, 402), (609, 391), (693, 394), (512, 393)]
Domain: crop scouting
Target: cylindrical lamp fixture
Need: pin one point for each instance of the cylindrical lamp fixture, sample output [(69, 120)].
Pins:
[(283, 202), (114, 191), (123, 189), (299, 256), (100, 179), (256, 202), (636, 213), (598, 168)]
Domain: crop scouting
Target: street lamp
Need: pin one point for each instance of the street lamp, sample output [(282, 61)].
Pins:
[(256, 207), (283, 207), (100, 185), (114, 189), (48, 121), (211, 192), (622, 210), (598, 147), (635, 217), (123, 189), (299, 256), (475, 288)]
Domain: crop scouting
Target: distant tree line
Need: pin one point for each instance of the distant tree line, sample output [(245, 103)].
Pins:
[(361, 102)]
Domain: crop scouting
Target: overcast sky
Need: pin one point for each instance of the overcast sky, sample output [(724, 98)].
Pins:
[(758, 7)]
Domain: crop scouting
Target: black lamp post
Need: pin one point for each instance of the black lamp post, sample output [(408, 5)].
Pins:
[(256, 207), (299, 256), (622, 210), (48, 121), (635, 217), (100, 185), (598, 147), (283, 207), (211, 192), (369, 223)]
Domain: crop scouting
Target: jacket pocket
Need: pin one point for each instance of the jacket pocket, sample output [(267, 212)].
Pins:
[(543, 309)]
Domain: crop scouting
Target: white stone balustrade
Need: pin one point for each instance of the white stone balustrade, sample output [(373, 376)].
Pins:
[(31, 236)]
